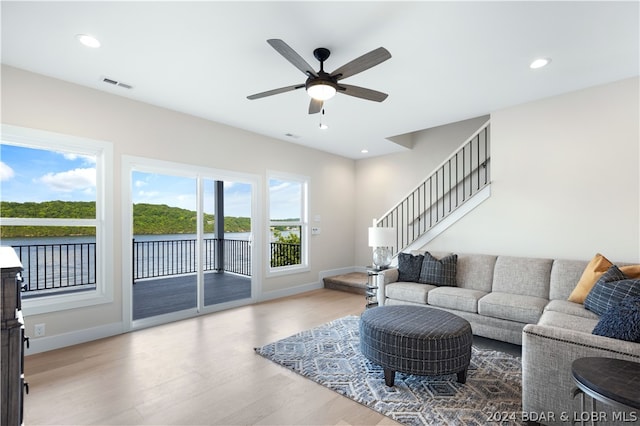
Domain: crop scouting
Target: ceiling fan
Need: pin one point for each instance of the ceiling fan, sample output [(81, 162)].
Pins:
[(321, 85)]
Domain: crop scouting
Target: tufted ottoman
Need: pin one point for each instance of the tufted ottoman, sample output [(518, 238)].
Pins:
[(416, 340)]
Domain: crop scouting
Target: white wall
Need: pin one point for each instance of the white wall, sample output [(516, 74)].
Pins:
[(138, 129), (565, 180)]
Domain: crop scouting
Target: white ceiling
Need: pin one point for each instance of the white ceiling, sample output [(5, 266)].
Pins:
[(450, 60)]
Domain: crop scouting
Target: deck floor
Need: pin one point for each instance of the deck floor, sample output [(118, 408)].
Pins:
[(159, 296)]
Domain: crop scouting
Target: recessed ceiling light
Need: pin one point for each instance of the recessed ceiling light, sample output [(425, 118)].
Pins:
[(539, 63), (365, 151), (88, 40), (323, 126)]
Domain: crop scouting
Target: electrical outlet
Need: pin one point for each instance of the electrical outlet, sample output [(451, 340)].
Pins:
[(38, 330)]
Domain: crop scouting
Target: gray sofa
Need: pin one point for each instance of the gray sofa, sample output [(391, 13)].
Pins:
[(523, 301)]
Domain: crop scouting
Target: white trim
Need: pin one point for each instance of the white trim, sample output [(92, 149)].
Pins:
[(103, 151), (305, 232), (290, 291), (44, 344)]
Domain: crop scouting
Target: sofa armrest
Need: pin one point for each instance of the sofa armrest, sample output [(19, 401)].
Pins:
[(547, 355), (390, 275)]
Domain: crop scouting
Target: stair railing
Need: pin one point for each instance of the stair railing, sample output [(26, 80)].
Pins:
[(450, 185)]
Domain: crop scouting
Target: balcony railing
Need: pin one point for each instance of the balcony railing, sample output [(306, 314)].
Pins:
[(57, 266), (72, 266), (152, 259)]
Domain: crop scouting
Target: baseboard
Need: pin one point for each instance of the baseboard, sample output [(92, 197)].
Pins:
[(44, 344), (290, 291)]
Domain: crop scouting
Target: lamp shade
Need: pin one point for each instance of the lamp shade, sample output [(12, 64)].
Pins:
[(381, 237)]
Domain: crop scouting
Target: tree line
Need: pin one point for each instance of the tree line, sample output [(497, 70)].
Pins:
[(148, 219)]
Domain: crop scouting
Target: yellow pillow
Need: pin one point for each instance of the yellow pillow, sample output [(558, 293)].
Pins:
[(596, 267), (631, 271)]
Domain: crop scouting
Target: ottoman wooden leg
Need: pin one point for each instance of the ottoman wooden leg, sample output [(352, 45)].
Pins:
[(389, 377), (462, 376)]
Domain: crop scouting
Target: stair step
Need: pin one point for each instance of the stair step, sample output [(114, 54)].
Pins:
[(353, 282)]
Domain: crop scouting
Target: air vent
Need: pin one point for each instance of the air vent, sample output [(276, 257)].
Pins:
[(116, 83)]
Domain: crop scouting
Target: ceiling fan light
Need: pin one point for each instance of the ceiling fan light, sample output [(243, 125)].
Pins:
[(321, 91)]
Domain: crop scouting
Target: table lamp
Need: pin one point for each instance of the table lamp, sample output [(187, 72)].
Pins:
[(382, 239)]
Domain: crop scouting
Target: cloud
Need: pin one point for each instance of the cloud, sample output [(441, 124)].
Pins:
[(71, 180), (140, 183), (86, 159), (6, 172)]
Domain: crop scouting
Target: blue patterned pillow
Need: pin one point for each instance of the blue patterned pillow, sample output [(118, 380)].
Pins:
[(439, 272), (409, 267), (612, 288), (621, 321)]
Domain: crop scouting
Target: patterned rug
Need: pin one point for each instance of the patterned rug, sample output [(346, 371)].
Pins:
[(330, 355)]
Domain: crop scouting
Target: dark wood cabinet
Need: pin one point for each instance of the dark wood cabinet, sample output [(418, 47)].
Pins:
[(12, 385)]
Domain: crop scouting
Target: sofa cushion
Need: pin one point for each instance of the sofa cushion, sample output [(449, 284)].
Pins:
[(408, 292), (564, 276), (568, 322), (439, 272), (611, 289), (409, 267), (621, 321), (460, 299), (475, 271), (570, 308), (513, 307), (522, 276)]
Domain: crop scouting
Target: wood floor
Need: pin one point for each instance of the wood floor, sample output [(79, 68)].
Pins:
[(200, 371)]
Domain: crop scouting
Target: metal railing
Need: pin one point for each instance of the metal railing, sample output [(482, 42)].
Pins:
[(69, 266), (457, 179), (153, 259), (57, 266), (284, 254)]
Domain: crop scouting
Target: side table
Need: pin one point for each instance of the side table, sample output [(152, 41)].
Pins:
[(372, 286), (609, 380)]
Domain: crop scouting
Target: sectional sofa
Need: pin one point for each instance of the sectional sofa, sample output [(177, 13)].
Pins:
[(522, 301)]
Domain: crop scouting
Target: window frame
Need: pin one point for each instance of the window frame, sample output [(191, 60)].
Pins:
[(103, 222), (304, 266)]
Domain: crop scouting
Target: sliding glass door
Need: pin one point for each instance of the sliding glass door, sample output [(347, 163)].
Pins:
[(191, 242)]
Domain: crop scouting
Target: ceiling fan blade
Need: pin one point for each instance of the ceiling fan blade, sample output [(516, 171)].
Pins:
[(362, 63), (275, 91), (315, 106), (361, 92), (292, 56)]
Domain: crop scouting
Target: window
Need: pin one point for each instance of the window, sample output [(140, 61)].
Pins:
[(55, 189), (288, 226)]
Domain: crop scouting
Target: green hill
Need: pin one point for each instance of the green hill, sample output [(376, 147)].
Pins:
[(148, 219)]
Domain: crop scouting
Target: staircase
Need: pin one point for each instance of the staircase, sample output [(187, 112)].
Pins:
[(456, 186)]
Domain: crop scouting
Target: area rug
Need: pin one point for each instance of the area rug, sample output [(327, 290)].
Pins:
[(330, 355)]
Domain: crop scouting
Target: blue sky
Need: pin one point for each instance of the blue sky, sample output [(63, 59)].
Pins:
[(37, 175)]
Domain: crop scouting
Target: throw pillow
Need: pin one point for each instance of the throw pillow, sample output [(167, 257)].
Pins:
[(612, 288), (409, 267), (621, 321), (631, 271), (439, 272), (594, 270)]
